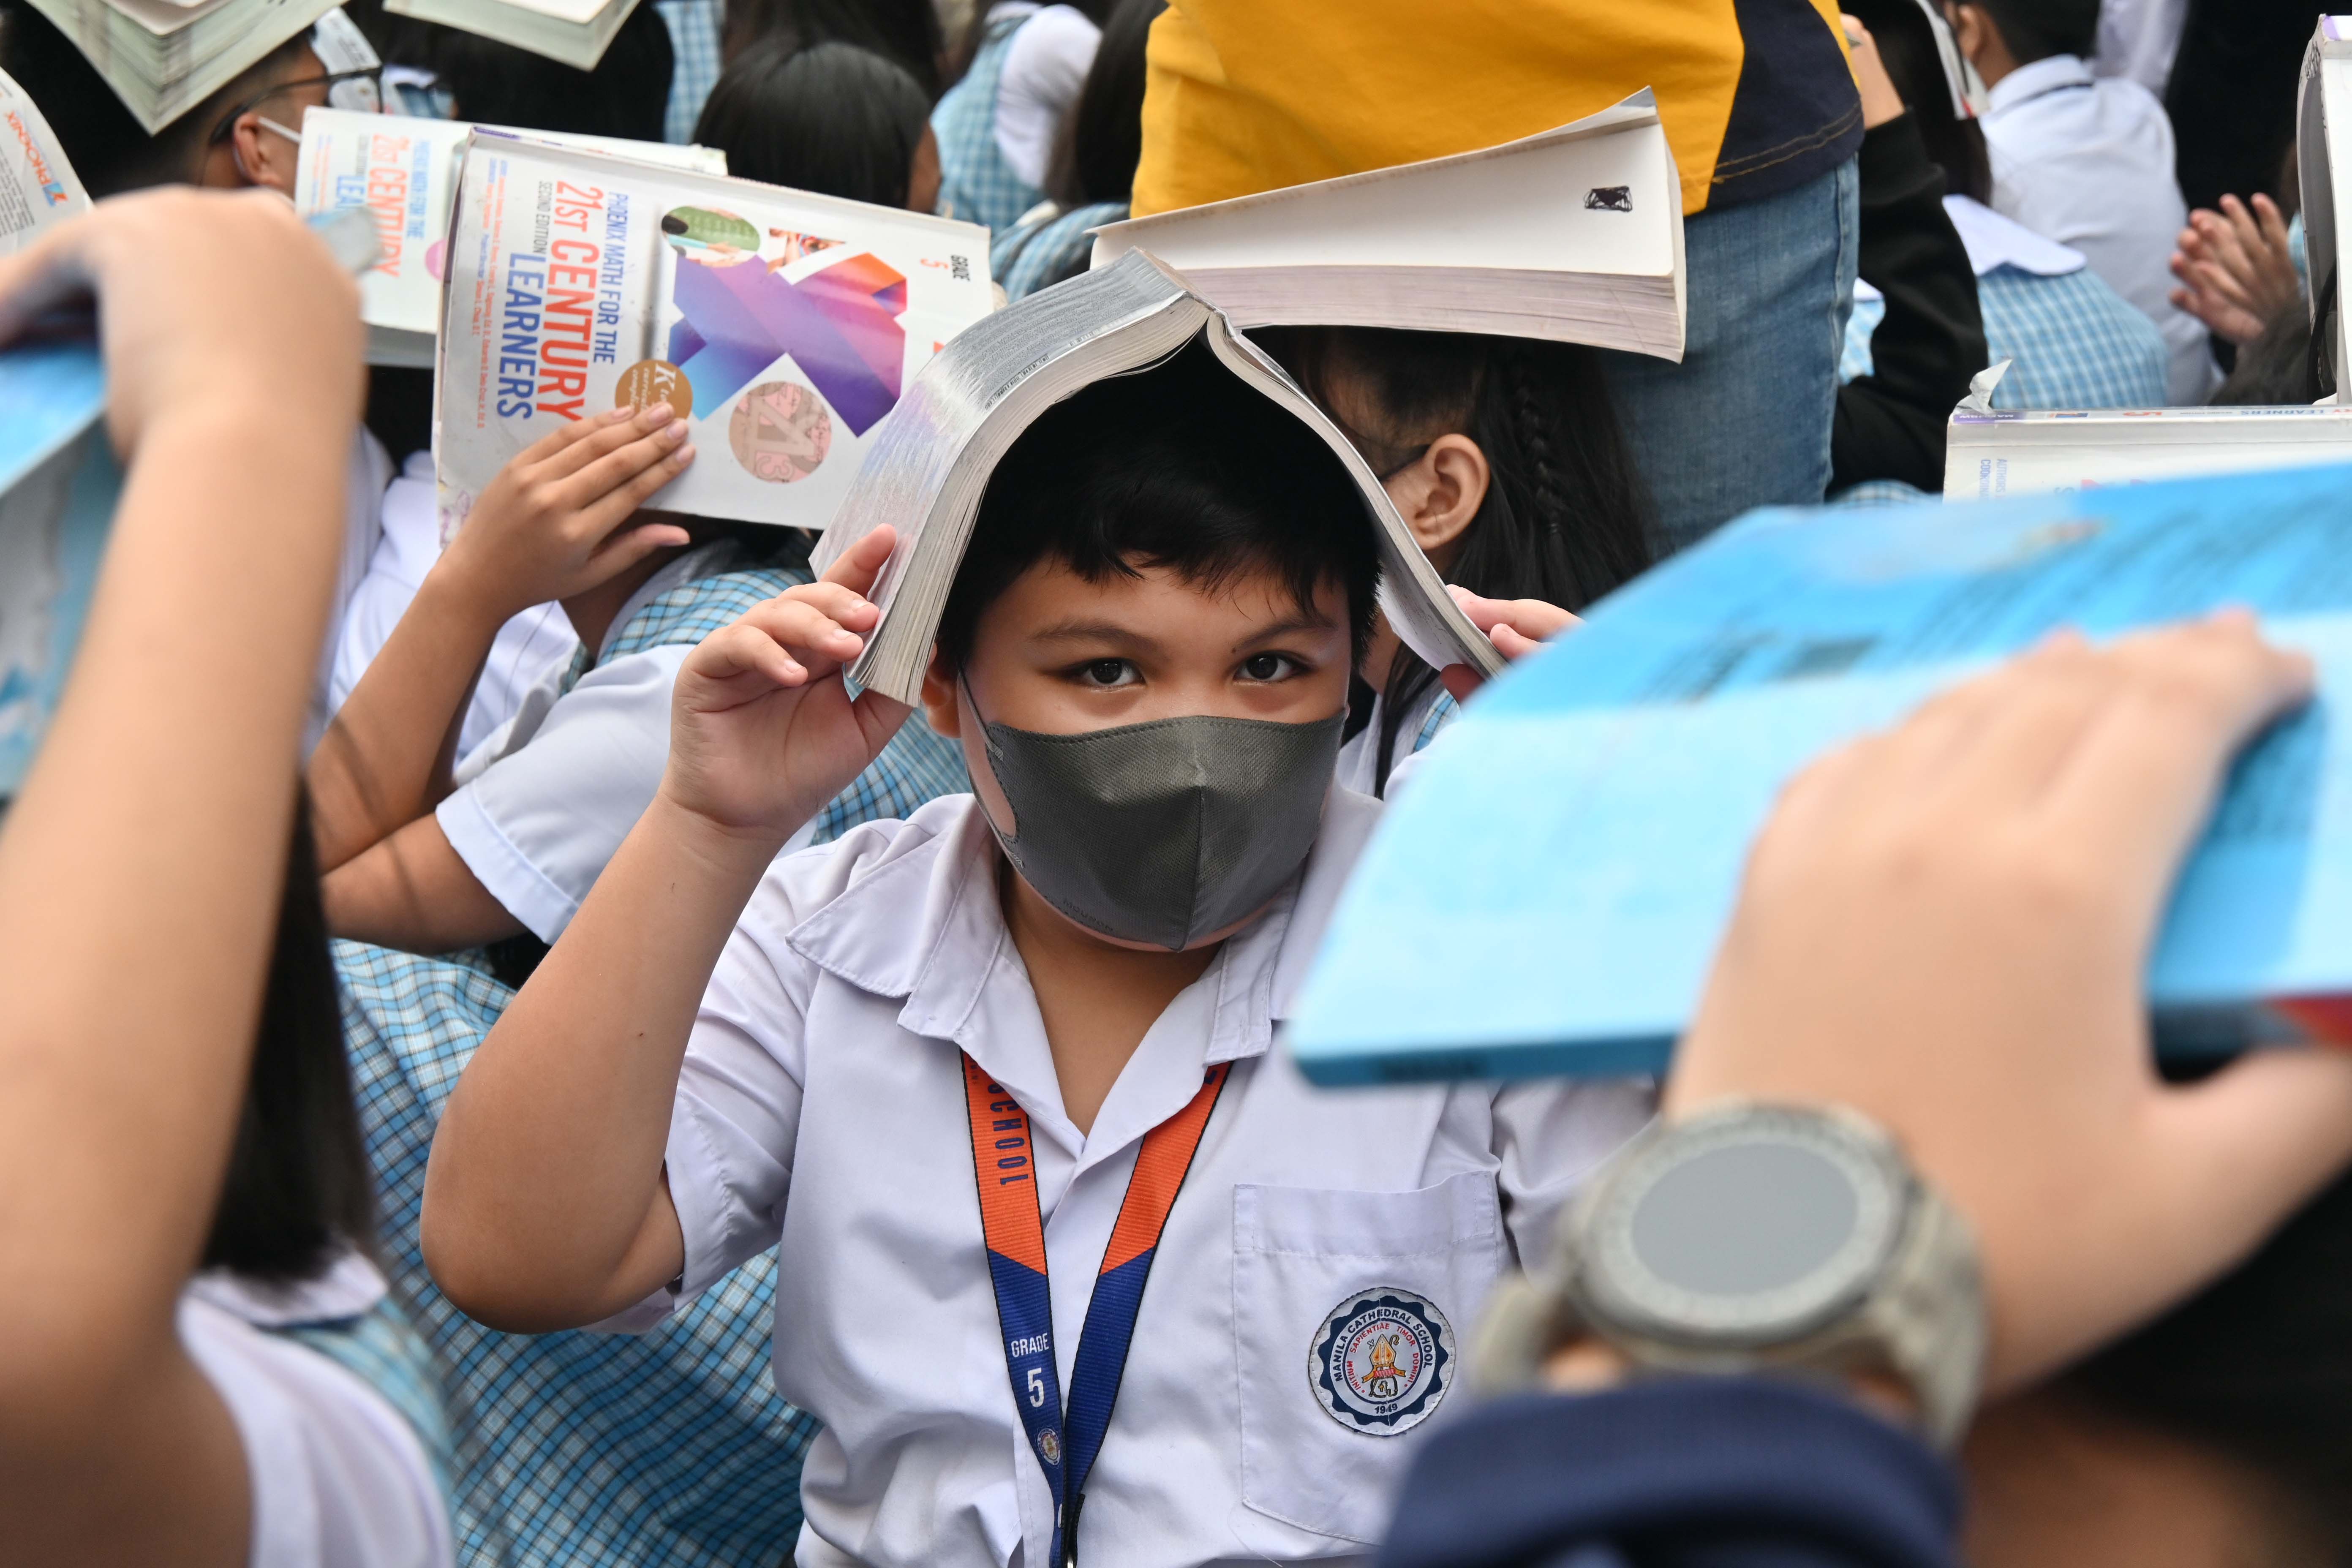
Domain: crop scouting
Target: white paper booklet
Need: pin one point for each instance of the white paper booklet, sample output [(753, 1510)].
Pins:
[(405, 172), (575, 32), (1987, 456), (926, 473), (2323, 141), (1574, 235), (782, 325), (40, 187)]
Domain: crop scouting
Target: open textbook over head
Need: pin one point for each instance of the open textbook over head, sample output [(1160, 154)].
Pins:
[(574, 32), (1574, 234), (1549, 895), (404, 170), (930, 466), (162, 58), (2323, 146), (781, 326)]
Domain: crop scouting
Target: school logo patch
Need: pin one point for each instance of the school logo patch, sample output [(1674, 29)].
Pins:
[(1381, 1361)]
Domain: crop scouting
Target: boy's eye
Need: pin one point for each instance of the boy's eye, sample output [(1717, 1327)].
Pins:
[(1268, 667), (1105, 672)]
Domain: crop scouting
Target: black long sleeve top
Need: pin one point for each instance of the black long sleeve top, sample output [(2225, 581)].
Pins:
[(1889, 425)]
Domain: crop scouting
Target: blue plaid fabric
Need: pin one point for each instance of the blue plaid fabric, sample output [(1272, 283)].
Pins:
[(1050, 249), (694, 51), (383, 1350), (2071, 341), (976, 183), (1442, 712), (592, 1449)]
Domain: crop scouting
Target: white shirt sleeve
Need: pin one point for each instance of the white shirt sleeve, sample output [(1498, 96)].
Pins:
[(339, 1480), (538, 826), (1045, 66), (1551, 1135)]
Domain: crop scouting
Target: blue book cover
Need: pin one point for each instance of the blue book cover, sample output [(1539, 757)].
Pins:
[(58, 484), (1546, 894)]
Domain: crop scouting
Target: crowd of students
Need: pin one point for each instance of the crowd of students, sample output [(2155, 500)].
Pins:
[(500, 1036)]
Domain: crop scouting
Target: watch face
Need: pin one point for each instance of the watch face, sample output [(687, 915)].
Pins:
[(1753, 1227)]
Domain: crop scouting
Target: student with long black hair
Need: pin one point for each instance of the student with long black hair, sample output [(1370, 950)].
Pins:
[(199, 1364), (833, 118), (1507, 459)]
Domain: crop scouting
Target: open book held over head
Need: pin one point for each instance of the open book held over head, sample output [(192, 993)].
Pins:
[(1574, 234), (1548, 894), (931, 464), (781, 326)]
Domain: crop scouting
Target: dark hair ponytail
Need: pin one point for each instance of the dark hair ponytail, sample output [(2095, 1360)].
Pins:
[(1565, 517), (298, 1185)]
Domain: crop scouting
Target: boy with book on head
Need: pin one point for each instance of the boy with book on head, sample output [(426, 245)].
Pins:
[(999, 1078)]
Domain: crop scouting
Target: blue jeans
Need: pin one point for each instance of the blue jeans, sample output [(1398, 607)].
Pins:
[(1744, 420)]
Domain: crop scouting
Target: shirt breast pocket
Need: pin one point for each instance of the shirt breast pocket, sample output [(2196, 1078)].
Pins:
[(1350, 1316)]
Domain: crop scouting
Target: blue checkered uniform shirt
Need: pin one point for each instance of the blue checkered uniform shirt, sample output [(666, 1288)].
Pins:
[(579, 1449), (976, 183), (1049, 251), (694, 51), (2071, 341)]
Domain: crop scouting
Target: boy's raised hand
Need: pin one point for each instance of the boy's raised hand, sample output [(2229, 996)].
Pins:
[(763, 731), (555, 521), (1515, 627)]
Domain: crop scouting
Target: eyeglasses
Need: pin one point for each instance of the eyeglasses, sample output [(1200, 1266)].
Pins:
[(369, 78)]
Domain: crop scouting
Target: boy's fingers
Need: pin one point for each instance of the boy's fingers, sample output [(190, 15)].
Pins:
[(2273, 222), (845, 605), (603, 514), (628, 546), (569, 434), (797, 624), (862, 562), (745, 649)]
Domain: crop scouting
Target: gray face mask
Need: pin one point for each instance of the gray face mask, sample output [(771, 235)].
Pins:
[(1167, 831)]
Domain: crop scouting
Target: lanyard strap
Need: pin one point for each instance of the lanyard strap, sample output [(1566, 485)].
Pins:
[(1004, 1161)]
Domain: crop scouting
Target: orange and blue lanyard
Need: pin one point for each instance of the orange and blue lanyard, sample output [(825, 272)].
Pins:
[(1004, 1161)]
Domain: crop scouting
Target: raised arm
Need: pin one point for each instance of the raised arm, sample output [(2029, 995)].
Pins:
[(555, 523), (544, 1201), (141, 865)]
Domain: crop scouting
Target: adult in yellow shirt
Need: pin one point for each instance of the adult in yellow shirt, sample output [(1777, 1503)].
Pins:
[(1759, 107)]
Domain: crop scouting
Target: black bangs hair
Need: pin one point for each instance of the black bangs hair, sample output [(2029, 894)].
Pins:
[(905, 31), (830, 118), (1180, 466), (299, 1184), (2258, 1367), (2036, 29)]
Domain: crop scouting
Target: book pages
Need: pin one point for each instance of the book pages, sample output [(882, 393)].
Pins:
[(1573, 234), (781, 326), (163, 60), (931, 467), (1989, 455), (575, 33)]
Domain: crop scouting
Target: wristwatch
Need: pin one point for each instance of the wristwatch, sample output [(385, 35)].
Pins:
[(1756, 1237)]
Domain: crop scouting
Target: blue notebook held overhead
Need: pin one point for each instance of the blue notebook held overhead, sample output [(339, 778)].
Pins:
[(1546, 895)]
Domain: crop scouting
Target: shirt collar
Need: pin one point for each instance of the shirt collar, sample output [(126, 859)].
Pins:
[(2047, 74), (927, 926)]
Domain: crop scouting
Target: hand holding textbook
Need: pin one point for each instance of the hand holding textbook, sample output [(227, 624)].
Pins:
[(1936, 916), (555, 521), (763, 731)]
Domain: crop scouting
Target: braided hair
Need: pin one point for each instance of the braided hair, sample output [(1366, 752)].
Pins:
[(1566, 517)]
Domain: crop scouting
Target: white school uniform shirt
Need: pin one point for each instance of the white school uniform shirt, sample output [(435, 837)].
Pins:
[(525, 648), (821, 1110), (339, 1478), (541, 804), (1045, 66), (2087, 161)]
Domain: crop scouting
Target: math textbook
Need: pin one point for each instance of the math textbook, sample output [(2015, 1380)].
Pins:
[(1546, 892), (781, 326)]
